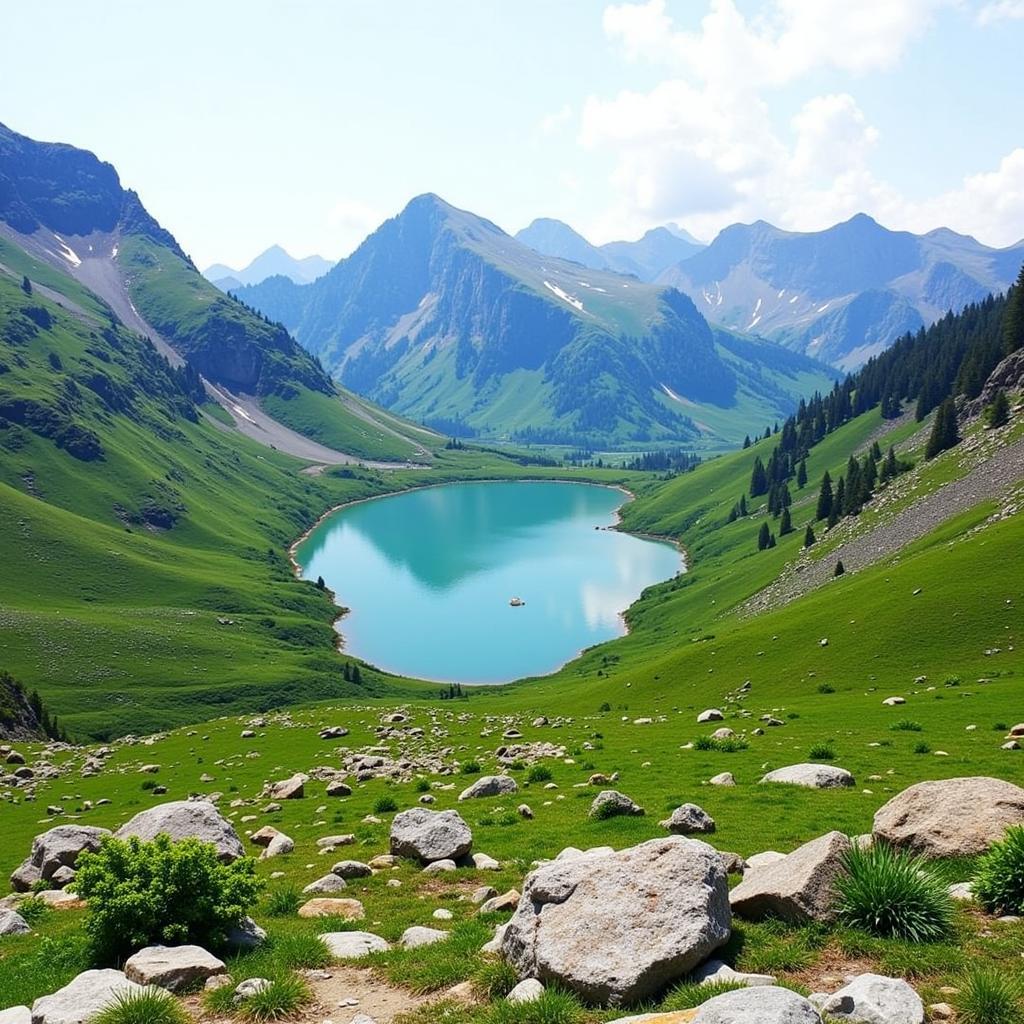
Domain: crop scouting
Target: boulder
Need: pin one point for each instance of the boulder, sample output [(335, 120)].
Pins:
[(339, 789), (16, 1015), (413, 938), (428, 836), (55, 849), (875, 999), (950, 818), (12, 923), (762, 1005), (496, 904), (687, 819), (249, 988), (718, 972), (288, 789), (722, 779), (711, 715), (351, 869), (278, 846), (326, 885), (175, 968), (263, 836), (354, 945), (610, 803), (529, 990), (814, 776), (616, 928), (490, 785), (186, 819), (798, 888), (82, 998), (482, 862), (246, 935), (324, 906)]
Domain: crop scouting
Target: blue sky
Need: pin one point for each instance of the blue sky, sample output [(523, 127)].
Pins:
[(307, 122)]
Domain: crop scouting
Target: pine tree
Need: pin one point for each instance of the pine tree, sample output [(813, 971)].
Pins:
[(945, 433), (839, 505), (801, 474), (890, 468), (840, 568), (320, 585), (357, 676), (743, 505), (346, 673), (26, 285), (763, 537), (746, 441), (809, 538), (1013, 317), (785, 523), (758, 478), (771, 540), (998, 413), (876, 452), (825, 498)]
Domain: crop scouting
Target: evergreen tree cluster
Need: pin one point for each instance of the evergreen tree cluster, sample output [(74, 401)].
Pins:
[(674, 460), (453, 692), (739, 510), (351, 673), (857, 487), (14, 697)]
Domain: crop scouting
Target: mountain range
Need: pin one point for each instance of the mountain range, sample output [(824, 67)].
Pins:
[(444, 318), (646, 258), (269, 263)]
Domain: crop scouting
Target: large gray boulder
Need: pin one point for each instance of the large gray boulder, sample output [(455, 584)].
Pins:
[(186, 819), (758, 1006), (875, 999), (813, 776), (16, 1015), (800, 887), (610, 803), (12, 923), (429, 836), (952, 817), (55, 849), (687, 819), (354, 945), (175, 968), (490, 785), (82, 998), (616, 928)]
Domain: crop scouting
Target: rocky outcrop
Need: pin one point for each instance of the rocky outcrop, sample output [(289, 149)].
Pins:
[(616, 928), (186, 819), (429, 836), (952, 817)]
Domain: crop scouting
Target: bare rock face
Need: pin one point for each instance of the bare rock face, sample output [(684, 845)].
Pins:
[(58, 848), (797, 888), (615, 928), (814, 776), (758, 1006), (950, 818), (82, 998), (430, 836), (490, 785), (175, 968), (186, 819)]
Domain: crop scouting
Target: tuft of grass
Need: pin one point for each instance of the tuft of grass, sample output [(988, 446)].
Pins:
[(470, 768), (282, 901), (989, 996), (826, 688), (822, 752), (689, 994), (281, 998), (441, 965), (998, 883), (539, 773), (385, 805), (149, 1006), (494, 980), (300, 950), (922, 748), (892, 895), (553, 1007), (906, 725), (732, 745)]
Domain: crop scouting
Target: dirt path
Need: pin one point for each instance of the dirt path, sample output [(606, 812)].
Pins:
[(995, 477)]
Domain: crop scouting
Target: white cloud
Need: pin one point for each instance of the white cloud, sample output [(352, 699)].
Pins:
[(701, 146), (553, 123), (350, 221), (1001, 10)]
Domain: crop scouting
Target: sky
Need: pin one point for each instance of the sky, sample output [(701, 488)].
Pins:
[(308, 122)]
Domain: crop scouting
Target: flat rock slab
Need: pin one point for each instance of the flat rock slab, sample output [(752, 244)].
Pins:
[(616, 928), (950, 818), (186, 819), (323, 906), (758, 1006), (875, 999), (175, 968), (798, 888), (82, 998), (678, 1017), (354, 945), (428, 836), (813, 776)]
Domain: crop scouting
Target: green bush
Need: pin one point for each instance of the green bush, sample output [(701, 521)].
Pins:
[(906, 725), (922, 748), (826, 688), (999, 879), (470, 768), (385, 805), (150, 1006), (143, 894), (539, 773), (989, 997), (422, 785), (33, 909), (890, 894)]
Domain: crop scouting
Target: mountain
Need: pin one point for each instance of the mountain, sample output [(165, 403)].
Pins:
[(843, 294), (443, 317), (270, 263), (67, 209), (645, 258)]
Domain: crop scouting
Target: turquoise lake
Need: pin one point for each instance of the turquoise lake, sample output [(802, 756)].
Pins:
[(428, 576)]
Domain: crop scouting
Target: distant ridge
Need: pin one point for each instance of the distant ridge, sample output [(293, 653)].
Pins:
[(270, 263)]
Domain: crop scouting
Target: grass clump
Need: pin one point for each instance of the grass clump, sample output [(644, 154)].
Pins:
[(822, 752), (539, 773), (553, 1007), (282, 901), (998, 883), (438, 966), (470, 768), (690, 994), (730, 745), (385, 805), (906, 725), (281, 998), (922, 748), (988, 996), (300, 951), (162, 893), (892, 895), (494, 980), (150, 1006)]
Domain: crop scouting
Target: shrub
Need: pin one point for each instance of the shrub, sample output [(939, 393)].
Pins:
[(822, 752), (726, 746), (553, 1007), (891, 894), (470, 768), (539, 773), (282, 901), (422, 785), (826, 688), (988, 997), (999, 880), (906, 725), (922, 748), (150, 1006), (33, 909), (143, 894), (148, 784), (384, 805)]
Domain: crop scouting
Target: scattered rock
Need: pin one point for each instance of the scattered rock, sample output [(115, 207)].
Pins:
[(279, 845), (717, 971), (529, 990), (324, 906), (354, 945), (687, 819), (175, 968), (814, 776), (352, 869), (288, 789), (82, 998), (249, 988), (722, 779), (430, 835), (246, 935), (326, 885), (711, 715), (413, 938), (610, 803), (762, 1005), (506, 901), (186, 819), (12, 923), (875, 999), (52, 850), (490, 785)]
